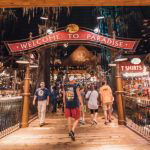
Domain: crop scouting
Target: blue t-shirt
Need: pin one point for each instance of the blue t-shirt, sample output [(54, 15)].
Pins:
[(71, 96), (42, 94)]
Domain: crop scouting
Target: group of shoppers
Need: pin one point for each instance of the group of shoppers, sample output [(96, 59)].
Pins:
[(93, 98), (75, 101)]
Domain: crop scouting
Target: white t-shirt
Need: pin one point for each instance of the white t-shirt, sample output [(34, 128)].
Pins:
[(93, 102)]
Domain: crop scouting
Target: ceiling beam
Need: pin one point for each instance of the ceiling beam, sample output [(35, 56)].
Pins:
[(55, 3)]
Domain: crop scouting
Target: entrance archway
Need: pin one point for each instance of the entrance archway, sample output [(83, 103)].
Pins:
[(72, 36)]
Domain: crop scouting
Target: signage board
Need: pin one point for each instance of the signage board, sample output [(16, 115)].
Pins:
[(129, 67), (62, 36)]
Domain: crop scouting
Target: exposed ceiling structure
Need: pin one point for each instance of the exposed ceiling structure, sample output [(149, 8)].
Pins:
[(64, 3), (17, 23)]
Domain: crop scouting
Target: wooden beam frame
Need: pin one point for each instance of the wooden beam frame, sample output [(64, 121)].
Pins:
[(62, 3)]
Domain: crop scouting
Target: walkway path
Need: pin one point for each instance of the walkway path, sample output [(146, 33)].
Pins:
[(53, 136)]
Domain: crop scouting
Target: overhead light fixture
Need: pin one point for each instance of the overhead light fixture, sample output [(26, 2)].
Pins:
[(96, 30), (22, 60), (146, 40), (49, 31), (34, 66), (145, 24), (112, 65), (145, 20), (144, 35), (100, 17), (44, 18), (135, 61), (120, 58)]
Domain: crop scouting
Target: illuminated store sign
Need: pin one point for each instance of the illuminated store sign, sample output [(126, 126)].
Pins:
[(128, 67)]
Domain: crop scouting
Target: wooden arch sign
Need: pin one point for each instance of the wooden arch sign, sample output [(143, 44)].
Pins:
[(81, 36)]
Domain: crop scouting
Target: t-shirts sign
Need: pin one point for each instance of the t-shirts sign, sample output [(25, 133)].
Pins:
[(129, 67)]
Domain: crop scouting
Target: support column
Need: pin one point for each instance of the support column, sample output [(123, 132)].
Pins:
[(120, 103), (26, 97), (44, 68)]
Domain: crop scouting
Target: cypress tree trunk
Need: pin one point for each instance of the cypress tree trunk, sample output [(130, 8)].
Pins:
[(44, 67)]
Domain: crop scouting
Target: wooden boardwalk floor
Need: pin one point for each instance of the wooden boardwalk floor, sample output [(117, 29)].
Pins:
[(54, 135)]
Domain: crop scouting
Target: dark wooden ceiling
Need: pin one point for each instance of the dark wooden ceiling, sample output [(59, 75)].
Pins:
[(52, 3)]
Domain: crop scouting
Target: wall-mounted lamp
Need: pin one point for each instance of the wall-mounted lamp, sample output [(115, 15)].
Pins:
[(49, 31), (33, 66), (44, 18), (100, 17), (22, 60), (96, 30), (120, 58), (112, 65)]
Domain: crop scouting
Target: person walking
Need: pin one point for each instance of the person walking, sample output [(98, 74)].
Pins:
[(92, 95), (106, 101), (54, 99), (71, 100), (42, 96), (83, 109)]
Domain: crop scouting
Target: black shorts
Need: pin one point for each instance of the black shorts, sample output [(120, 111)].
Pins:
[(93, 111)]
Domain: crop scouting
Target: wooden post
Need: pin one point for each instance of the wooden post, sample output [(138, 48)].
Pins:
[(26, 97), (119, 91)]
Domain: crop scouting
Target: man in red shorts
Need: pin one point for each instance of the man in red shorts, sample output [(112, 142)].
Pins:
[(72, 99)]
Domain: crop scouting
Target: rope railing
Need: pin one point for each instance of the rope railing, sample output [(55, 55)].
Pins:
[(138, 115)]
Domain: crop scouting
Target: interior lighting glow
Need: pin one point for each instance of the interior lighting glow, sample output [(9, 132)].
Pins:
[(49, 31), (22, 60), (96, 30), (135, 61), (33, 66), (121, 59), (100, 17), (65, 44), (44, 18), (133, 74), (112, 65)]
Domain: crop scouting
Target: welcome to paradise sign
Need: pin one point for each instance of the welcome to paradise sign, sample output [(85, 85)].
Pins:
[(62, 36)]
